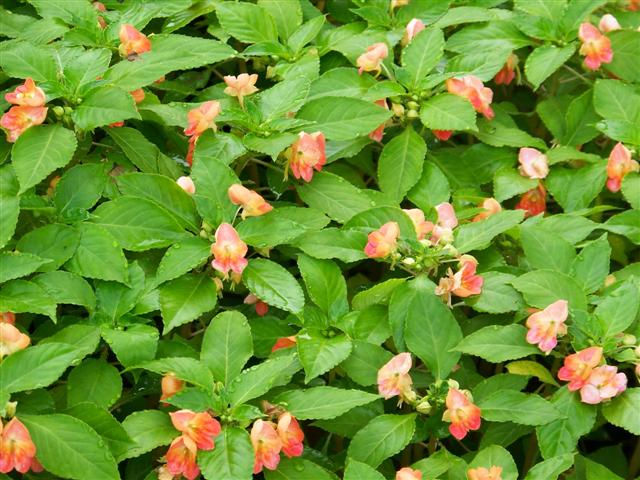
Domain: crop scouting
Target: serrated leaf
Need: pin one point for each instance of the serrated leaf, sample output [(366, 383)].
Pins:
[(448, 112), (94, 381), (400, 163), (104, 106), (622, 411), (518, 407), (148, 429), (527, 367), (478, 235), (186, 298), (541, 288), (247, 22), (545, 60), (232, 459), (273, 284), (323, 402), (325, 284), (545, 250), (423, 54), (497, 344), (383, 437), (257, 380), (185, 368), (319, 354)]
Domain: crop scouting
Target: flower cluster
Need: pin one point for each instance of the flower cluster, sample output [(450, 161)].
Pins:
[(269, 439), (28, 109)]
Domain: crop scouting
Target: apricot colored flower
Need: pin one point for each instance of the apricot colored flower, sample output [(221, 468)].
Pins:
[(407, 473), (266, 446), (18, 119), (12, 340), (533, 202), (472, 88), (132, 41), (419, 223), (202, 118), (507, 73), (291, 435), (596, 47), (447, 221), (608, 23), (394, 379), (241, 86), (461, 412), (467, 283), (261, 307), (8, 317), (252, 203), (604, 383), (284, 342), (578, 367), (186, 184), (413, 28), (228, 250), (17, 450), (490, 207), (181, 458), (545, 326), (170, 385), (137, 94), (443, 135), (201, 427), (533, 163), (371, 60), (378, 133), (306, 154), (619, 164), (27, 95), (383, 242), (482, 473)]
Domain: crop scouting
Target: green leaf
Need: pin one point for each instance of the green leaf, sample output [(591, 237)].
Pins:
[(544, 60), (432, 188), (591, 266), (543, 287), (448, 112), (423, 54), (305, 33), (182, 257), (383, 437), (575, 189), (323, 402), (497, 295), (498, 456), (400, 163), (94, 381), (624, 65), (361, 471), (16, 265), (65, 287), (286, 13), (148, 429), (136, 344), (85, 338), (319, 354), (544, 249), (341, 82), (226, 346), (55, 241), (257, 380), (212, 179), (325, 284), (41, 150), (625, 223), (273, 284), (20, 296), (280, 226), (247, 22), (497, 344), (478, 235), (104, 106), (502, 131), (580, 120), (8, 218), (185, 299), (551, 468), (507, 183), (595, 471), (345, 245), (286, 96), (232, 459), (492, 35), (298, 468), (618, 310), (80, 188), (24, 60), (631, 189), (64, 437), (364, 362), (529, 368), (185, 368), (616, 100), (622, 411), (518, 407)]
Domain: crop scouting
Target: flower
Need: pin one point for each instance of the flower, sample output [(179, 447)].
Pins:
[(633, 5), (472, 88), (382, 242), (284, 342), (261, 307), (443, 135), (18, 119), (506, 75), (545, 326), (533, 202), (12, 339), (137, 94), (132, 42), (170, 385), (228, 250), (266, 445), (17, 450), (481, 473), (202, 118), (399, 3), (413, 28), (619, 164), (463, 283), (407, 473), (608, 23), (201, 427), (595, 47), (241, 86), (461, 412), (604, 383), (306, 154), (181, 458), (491, 206), (578, 367), (8, 317), (253, 205), (371, 60), (533, 163), (394, 379), (186, 184), (291, 435), (377, 134), (447, 221), (417, 217), (164, 474), (27, 95)]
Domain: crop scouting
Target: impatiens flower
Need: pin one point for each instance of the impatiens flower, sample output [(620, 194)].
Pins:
[(545, 326), (138, 95), (8, 317), (306, 154), (170, 385), (202, 118), (241, 86), (17, 450), (394, 379), (481, 473), (27, 95), (604, 383), (181, 458), (252, 203), (291, 435), (382, 242), (407, 473), (633, 5), (186, 184), (608, 23), (507, 73), (442, 231), (419, 223), (261, 307), (228, 250), (18, 119), (619, 164), (371, 60), (284, 342), (463, 283), (491, 206), (533, 163), (472, 88), (266, 446), (201, 427), (461, 412), (595, 46), (533, 202), (164, 473), (12, 340), (377, 134), (578, 367), (413, 28), (443, 135), (132, 42)]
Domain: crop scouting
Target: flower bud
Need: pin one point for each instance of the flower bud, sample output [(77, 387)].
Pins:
[(409, 261), (412, 114), (628, 339), (423, 407), (397, 109)]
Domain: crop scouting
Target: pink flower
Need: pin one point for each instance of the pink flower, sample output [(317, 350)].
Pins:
[(186, 184), (604, 383), (472, 88), (371, 60), (619, 164), (228, 250), (241, 86), (252, 203), (170, 385), (383, 242), (533, 202), (407, 473), (291, 435), (306, 154), (181, 458), (266, 446), (608, 23), (506, 75), (417, 217), (533, 163), (463, 283), (578, 367), (17, 450), (202, 118), (12, 340), (201, 427), (481, 473), (595, 47), (447, 221), (284, 342), (132, 42), (394, 379), (27, 95), (413, 28), (461, 412), (443, 135), (378, 133), (18, 119), (545, 326), (491, 206)]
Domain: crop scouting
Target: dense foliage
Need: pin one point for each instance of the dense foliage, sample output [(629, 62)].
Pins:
[(311, 240)]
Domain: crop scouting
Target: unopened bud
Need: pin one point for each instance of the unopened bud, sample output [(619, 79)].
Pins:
[(413, 105), (68, 110), (453, 384), (423, 407), (398, 110), (58, 111), (10, 409), (412, 114), (409, 261), (628, 339), (449, 249), (610, 280)]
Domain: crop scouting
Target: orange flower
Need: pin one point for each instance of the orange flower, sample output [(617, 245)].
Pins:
[(461, 412), (186, 184), (284, 342), (202, 118), (619, 164), (228, 250), (443, 135), (8, 317), (241, 86), (407, 473), (578, 366), (491, 206), (506, 75), (603, 384), (306, 154), (533, 202), (481, 473), (181, 458), (371, 60), (413, 28), (138, 95), (201, 427), (291, 435), (170, 385), (394, 379), (17, 450), (27, 95), (252, 203), (378, 133), (472, 88), (608, 23), (18, 119), (545, 326), (132, 42), (266, 446), (12, 340), (595, 47), (417, 217), (382, 242), (633, 5), (533, 163)]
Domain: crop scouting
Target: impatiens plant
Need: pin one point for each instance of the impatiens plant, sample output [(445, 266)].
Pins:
[(320, 239)]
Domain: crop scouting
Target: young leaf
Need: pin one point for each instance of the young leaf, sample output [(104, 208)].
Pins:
[(231, 459), (400, 163), (319, 354), (423, 54), (325, 284)]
